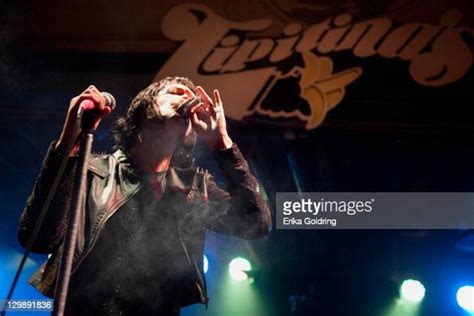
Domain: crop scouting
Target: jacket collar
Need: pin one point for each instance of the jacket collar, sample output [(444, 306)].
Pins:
[(185, 180)]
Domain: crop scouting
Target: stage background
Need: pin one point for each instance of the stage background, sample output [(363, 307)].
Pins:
[(388, 133)]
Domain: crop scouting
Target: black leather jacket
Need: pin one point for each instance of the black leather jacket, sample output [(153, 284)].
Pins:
[(199, 203)]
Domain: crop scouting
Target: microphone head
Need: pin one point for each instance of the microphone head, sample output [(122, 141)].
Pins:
[(110, 100), (184, 108)]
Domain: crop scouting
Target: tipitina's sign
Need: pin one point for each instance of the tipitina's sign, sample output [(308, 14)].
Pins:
[(261, 74)]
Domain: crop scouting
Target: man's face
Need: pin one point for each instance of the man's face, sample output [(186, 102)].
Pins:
[(171, 97), (168, 101)]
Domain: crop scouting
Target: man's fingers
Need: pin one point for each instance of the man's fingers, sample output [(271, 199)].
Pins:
[(197, 122), (207, 99), (195, 108), (105, 111), (99, 103), (88, 97), (217, 102), (189, 93), (217, 98), (91, 90), (92, 96)]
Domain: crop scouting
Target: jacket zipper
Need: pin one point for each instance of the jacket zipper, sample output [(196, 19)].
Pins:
[(201, 287), (101, 224)]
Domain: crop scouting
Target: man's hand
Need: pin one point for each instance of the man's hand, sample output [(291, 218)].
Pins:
[(99, 110), (208, 120)]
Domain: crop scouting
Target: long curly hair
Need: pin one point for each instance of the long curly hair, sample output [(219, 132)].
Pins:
[(126, 128)]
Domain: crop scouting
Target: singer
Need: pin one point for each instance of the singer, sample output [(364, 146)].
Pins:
[(141, 238)]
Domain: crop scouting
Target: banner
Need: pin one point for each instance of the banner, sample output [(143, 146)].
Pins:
[(292, 76)]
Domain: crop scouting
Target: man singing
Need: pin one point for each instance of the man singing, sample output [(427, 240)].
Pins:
[(141, 238)]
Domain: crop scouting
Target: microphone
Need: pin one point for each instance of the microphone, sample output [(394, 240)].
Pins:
[(109, 102), (87, 109), (183, 109)]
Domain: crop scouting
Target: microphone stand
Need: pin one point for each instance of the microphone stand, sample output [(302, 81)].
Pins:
[(78, 203)]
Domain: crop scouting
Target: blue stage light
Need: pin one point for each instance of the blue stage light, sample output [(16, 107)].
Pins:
[(465, 298), (205, 264)]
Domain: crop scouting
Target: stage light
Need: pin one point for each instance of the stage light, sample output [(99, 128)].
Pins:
[(205, 264), (465, 298), (412, 291), (238, 267)]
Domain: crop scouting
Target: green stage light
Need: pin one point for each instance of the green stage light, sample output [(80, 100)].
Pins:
[(412, 291), (238, 267)]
